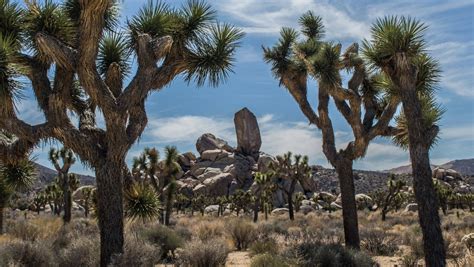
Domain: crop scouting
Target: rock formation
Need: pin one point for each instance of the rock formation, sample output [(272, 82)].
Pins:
[(248, 133)]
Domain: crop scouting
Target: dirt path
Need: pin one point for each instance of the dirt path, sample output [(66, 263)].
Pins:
[(238, 259)]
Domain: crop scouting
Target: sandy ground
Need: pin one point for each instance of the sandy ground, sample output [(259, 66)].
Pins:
[(238, 259)]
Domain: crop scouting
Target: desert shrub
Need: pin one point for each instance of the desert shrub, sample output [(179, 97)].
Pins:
[(26, 253), (317, 254), (413, 239), (378, 242), (242, 233), (137, 253), (265, 228), (209, 230), (76, 229), (268, 260), (163, 237), (24, 230), (211, 253), (183, 232), (80, 252), (410, 260), (265, 245)]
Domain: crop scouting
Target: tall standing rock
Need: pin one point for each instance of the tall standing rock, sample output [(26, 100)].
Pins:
[(248, 133)]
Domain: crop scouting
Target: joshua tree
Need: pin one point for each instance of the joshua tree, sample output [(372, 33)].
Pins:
[(145, 168), (443, 193), (298, 199), (398, 49), (14, 177), (198, 203), (77, 61), (68, 159), (290, 170), (88, 194), (394, 188), (40, 202), (54, 196), (263, 181), (240, 201), (170, 170), (182, 201), (362, 104)]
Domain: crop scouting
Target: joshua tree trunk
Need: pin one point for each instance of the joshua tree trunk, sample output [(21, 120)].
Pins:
[(1, 219), (349, 208), (67, 198), (425, 193), (169, 201), (290, 206), (110, 211), (255, 209)]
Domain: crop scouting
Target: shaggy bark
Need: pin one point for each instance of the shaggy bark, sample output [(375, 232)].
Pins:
[(420, 140), (109, 193), (67, 199), (1, 220), (349, 207)]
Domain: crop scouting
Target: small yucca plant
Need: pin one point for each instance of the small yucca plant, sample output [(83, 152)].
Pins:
[(142, 203)]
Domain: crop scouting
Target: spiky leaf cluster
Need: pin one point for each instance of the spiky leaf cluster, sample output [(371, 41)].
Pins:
[(141, 202), (392, 35)]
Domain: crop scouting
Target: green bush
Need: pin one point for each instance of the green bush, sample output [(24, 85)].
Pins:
[(268, 260), (163, 237), (242, 232), (26, 253), (330, 255), (211, 253)]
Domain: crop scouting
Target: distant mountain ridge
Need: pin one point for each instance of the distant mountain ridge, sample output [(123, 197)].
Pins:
[(47, 175), (463, 166)]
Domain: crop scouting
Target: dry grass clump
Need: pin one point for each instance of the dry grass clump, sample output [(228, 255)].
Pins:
[(137, 253), (209, 230), (83, 251), (378, 243), (242, 232), (210, 253), (266, 245)]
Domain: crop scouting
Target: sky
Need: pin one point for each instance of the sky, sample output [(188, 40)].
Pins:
[(181, 112)]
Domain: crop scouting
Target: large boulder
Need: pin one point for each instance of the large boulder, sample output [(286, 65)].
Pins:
[(249, 140), (214, 154), (280, 211), (212, 209), (186, 160), (264, 162), (217, 185), (412, 207), (468, 241), (208, 141), (364, 202)]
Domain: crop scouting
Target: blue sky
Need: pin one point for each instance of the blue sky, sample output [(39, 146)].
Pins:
[(180, 113)]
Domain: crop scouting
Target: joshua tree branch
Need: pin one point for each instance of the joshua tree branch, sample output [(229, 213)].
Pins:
[(62, 54), (91, 24)]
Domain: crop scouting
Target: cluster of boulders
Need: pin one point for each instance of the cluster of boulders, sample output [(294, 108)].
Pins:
[(221, 169), (453, 180)]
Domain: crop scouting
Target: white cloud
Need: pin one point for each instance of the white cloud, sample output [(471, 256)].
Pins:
[(269, 16), (461, 133), (29, 111), (186, 129)]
